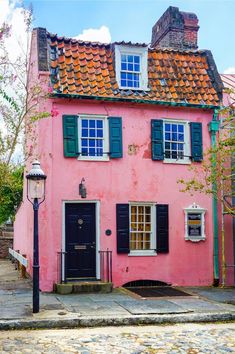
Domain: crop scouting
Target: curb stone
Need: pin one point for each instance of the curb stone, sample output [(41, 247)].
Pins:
[(90, 321)]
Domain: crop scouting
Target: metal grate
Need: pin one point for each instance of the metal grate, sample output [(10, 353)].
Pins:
[(158, 291)]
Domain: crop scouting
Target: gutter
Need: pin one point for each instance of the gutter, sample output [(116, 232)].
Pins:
[(135, 100), (213, 129)]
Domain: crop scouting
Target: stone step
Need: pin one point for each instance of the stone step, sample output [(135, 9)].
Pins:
[(81, 287)]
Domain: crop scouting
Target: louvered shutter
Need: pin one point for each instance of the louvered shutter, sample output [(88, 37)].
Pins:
[(196, 141), (70, 135), (115, 137), (162, 228), (122, 214), (157, 139)]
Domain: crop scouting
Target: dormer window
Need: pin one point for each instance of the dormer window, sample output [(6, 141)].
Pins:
[(131, 67), (130, 70)]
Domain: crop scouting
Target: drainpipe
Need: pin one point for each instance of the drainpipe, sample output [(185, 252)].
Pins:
[(213, 129)]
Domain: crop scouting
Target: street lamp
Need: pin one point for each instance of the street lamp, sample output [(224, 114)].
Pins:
[(36, 181)]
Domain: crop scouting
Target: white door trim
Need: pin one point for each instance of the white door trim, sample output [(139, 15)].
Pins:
[(97, 213)]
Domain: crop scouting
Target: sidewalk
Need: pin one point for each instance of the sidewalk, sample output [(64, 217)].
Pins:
[(117, 308)]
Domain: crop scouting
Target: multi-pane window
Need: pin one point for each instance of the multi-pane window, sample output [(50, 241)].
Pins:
[(93, 137), (174, 140), (130, 70), (140, 227)]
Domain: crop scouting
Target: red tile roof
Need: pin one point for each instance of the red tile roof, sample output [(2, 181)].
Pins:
[(87, 68)]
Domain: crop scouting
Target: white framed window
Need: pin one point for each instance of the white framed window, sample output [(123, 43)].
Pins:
[(131, 64), (93, 138), (195, 223), (142, 229), (176, 141)]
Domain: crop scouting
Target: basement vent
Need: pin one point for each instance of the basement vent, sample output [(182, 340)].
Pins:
[(143, 283)]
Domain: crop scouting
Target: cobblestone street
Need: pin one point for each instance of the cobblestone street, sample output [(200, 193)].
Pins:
[(184, 338)]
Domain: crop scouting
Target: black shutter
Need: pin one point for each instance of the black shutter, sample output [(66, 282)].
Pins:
[(122, 214), (162, 228)]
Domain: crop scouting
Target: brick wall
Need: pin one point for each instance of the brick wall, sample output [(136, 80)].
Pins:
[(175, 29), (6, 241)]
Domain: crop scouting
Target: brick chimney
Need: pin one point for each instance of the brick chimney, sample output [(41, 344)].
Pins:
[(175, 29)]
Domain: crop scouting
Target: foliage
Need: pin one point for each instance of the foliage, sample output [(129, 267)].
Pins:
[(216, 174), (11, 189), (19, 109)]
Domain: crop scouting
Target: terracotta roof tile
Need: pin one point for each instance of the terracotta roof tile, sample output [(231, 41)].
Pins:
[(88, 68)]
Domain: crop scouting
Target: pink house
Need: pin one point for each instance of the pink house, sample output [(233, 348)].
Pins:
[(130, 119)]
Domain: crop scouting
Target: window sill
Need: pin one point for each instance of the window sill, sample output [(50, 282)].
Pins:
[(178, 162), (134, 88), (142, 254), (195, 239), (105, 159)]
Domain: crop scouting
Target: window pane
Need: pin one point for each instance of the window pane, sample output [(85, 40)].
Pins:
[(174, 136), (84, 123), (124, 83), (174, 127), (84, 151), (129, 76), (85, 133), (123, 57), (92, 142), (167, 136), (92, 133), (130, 67), (167, 127), (84, 142), (99, 124), (137, 59), (130, 58), (123, 66), (123, 76), (92, 152), (180, 128), (180, 137), (137, 67), (91, 123)]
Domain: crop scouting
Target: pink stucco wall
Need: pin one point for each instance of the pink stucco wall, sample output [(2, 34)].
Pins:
[(132, 178)]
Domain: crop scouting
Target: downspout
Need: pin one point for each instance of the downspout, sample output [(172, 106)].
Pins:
[(213, 129)]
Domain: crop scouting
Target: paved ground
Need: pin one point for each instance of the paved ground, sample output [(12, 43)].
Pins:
[(118, 307), (186, 338)]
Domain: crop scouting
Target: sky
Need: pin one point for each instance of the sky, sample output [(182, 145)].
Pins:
[(130, 20)]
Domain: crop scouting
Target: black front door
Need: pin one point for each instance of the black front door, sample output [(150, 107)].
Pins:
[(80, 235)]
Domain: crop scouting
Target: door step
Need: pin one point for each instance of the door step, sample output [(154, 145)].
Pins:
[(83, 287)]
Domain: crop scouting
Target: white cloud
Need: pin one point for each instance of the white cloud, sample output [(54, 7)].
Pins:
[(101, 34), (230, 70)]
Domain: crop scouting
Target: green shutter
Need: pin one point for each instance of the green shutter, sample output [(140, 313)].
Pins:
[(70, 134), (157, 139), (115, 137), (196, 141)]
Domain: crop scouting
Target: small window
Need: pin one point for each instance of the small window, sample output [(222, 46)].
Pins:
[(176, 141), (93, 138), (142, 229), (130, 70), (194, 223), (131, 67)]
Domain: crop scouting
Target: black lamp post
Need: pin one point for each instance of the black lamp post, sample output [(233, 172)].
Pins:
[(36, 181)]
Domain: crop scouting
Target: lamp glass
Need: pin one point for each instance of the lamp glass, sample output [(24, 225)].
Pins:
[(36, 188)]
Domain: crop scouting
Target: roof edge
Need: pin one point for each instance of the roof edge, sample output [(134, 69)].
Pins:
[(133, 100), (214, 74)]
